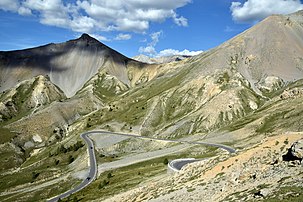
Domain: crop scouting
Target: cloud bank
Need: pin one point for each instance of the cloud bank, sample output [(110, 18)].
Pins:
[(254, 10), (91, 16), (170, 52), (150, 48)]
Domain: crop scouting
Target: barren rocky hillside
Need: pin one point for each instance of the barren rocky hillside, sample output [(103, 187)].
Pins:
[(270, 170)]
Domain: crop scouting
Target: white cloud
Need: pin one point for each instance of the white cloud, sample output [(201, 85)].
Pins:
[(99, 37), (120, 37), (255, 10), (50, 12), (171, 52), (150, 48), (24, 11), (9, 5), (158, 4), (92, 16), (82, 24), (129, 25), (155, 37), (181, 21)]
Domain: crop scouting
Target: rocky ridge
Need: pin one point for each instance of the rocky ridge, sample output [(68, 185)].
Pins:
[(160, 60)]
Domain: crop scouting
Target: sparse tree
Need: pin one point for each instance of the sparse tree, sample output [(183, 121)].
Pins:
[(56, 161), (102, 184), (70, 159), (109, 175), (75, 199), (35, 175)]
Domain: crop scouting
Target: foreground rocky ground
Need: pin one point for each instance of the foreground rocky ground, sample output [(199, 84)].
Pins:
[(271, 170)]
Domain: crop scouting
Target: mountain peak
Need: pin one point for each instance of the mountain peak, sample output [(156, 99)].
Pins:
[(87, 37)]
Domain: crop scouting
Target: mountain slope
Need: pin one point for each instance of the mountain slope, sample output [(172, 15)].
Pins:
[(218, 87), (272, 48), (69, 65)]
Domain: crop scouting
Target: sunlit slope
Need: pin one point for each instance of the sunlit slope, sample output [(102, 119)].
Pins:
[(216, 88)]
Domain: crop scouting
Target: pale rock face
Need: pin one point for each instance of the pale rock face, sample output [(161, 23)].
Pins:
[(35, 151), (253, 105), (295, 92), (271, 83), (37, 138), (39, 96), (297, 149), (29, 144)]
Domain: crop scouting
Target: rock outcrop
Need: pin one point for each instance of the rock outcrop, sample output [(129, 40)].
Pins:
[(296, 150)]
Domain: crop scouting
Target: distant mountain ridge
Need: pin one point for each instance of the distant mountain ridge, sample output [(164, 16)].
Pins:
[(160, 60)]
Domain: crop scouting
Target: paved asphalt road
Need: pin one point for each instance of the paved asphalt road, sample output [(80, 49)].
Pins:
[(178, 164), (92, 172), (227, 148), (93, 164)]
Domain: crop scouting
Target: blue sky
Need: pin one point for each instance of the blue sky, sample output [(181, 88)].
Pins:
[(132, 27)]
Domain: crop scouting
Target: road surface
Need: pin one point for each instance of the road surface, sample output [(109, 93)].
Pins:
[(92, 172), (177, 165)]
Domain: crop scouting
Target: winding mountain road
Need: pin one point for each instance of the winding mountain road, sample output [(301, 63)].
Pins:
[(92, 172), (175, 165)]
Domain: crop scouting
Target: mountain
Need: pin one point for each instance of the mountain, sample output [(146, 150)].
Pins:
[(160, 60), (69, 65), (263, 52), (216, 88), (246, 93)]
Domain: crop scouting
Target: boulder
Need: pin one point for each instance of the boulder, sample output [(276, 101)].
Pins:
[(297, 149), (295, 152), (265, 192)]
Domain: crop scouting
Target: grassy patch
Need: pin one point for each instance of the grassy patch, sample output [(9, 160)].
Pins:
[(43, 193), (191, 189), (125, 178), (270, 122), (6, 135), (121, 179), (286, 194), (130, 108), (39, 167)]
